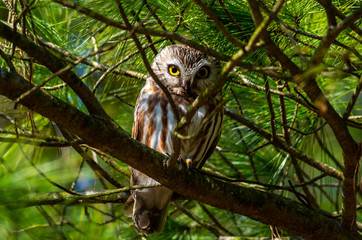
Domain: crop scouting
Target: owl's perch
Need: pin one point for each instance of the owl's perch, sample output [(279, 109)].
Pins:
[(110, 138)]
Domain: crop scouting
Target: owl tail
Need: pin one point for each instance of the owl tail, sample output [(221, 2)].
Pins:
[(150, 209)]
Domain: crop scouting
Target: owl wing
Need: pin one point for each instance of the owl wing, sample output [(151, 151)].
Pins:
[(217, 121), (148, 206)]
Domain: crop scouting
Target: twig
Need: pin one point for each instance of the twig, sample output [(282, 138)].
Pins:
[(98, 65), (354, 117), (232, 19), (258, 148), (35, 226), (110, 162), (213, 218), (236, 100), (301, 132), (216, 110), (247, 83), (238, 173), (277, 53), (328, 152), (55, 87), (258, 184), (288, 141), (45, 177), (332, 34), (72, 65), (23, 12), (98, 170), (40, 143), (202, 223), (353, 99), (51, 222), (282, 145), (159, 21), (119, 195), (340, 15), (7, 60), (271, 109), (122, 100), (219, 24), (294, 116)]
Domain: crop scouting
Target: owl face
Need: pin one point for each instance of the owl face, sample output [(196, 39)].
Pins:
[(185, 71)]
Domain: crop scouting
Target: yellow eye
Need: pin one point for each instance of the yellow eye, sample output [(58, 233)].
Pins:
[(173, 70), (203, 72)]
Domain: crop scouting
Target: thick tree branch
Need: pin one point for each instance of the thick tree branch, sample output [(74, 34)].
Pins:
[(244, 199)]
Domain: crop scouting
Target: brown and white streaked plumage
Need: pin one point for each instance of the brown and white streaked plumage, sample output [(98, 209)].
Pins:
[(186, 73)]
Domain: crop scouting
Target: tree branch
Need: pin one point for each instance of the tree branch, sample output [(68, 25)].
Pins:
[(108, 137)]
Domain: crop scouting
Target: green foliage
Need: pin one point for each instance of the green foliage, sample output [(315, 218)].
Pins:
[(81, 35)]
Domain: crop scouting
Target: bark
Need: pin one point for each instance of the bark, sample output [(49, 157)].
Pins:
[(243, 199)]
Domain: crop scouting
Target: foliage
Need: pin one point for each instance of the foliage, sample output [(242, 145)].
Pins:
[(35, 153)]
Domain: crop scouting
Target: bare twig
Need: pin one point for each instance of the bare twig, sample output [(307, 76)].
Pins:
[(7, 60), (288, 141), (271, 108), (232, 19), (122, 100), (300, 132), (353, 100), (213, 218), (219, 24), (51, 222), (238, 173), (282, 145), (191, 215), (98, 170), (247, 83)]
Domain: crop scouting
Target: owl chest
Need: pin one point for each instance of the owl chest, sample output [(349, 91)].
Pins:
[(157, 122), (195, 129)]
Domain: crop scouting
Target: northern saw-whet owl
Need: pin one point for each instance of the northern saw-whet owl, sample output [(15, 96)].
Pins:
[(186, 73)]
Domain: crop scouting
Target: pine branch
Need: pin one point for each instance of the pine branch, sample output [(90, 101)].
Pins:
[(106, 136)]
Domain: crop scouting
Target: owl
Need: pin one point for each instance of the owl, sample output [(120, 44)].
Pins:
[(186, 73)]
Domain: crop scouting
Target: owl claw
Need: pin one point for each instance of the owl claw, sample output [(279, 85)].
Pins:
[(188, 163)]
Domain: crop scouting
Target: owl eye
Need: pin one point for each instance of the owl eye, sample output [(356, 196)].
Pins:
[(174, 70), (203, 72)]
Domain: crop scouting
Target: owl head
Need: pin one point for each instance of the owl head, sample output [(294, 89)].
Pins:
[(185, 71)]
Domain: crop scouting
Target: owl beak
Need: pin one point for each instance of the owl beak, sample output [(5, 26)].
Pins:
[(188, 88)]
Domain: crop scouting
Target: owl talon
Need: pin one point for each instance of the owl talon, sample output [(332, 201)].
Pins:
[(188, 163)]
